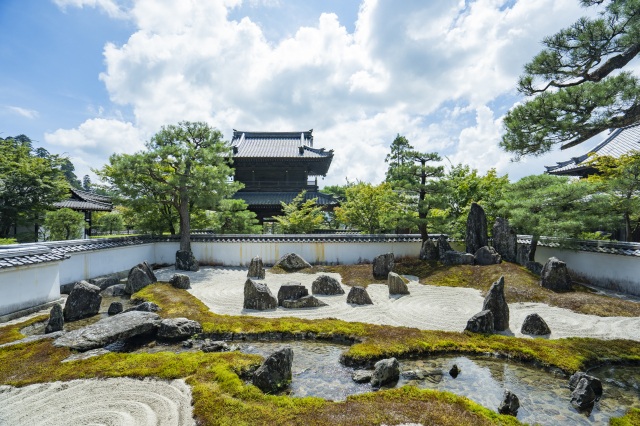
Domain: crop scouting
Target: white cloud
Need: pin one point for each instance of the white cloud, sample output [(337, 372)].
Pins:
[(111, 7), (24, 112)]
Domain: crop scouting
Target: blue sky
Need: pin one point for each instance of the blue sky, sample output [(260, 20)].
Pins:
[(92, 77)]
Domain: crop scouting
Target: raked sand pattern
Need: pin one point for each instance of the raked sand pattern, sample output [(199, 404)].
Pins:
[(113, 402), (427, 307)]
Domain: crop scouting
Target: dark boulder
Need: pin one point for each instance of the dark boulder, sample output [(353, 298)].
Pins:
[(303, 302), (114, 290), (178, 328), (396, 284), (555, 275), (522, 254), (583, 396), (258, 296), (186, 261), (83, 301), (105, 282), (56, 319), (476, 235), (292, 262), (534, 267), (482, 322), (362, 376), (275, 372), (382, 265), (454, 371), (443, 246), (256, 268), (291, 291), (429, 251), (487, 256), (510, 404), (594, 383), (144, 307), (453, 257), (326, 285), (385, 371), (534, 325), (180, 281), (114, 308), (497, 304), (505, 240), (359, 296), (139, 277)]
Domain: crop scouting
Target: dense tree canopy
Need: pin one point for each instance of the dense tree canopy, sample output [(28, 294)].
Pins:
[(233, 217), (300, 216), (371, 208), (64, 224), (578, 83)]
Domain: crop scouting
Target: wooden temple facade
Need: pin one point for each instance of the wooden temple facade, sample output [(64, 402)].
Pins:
[(277, 166)]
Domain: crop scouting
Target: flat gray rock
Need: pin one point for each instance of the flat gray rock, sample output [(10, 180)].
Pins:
[(303, 302), (109, 330)]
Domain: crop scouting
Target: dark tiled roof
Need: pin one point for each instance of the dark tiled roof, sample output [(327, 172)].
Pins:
[(204, 236), (619, 142), (16, 255), (81, 205), (83, 200), (276, 145), (274, 198), (607, 247)]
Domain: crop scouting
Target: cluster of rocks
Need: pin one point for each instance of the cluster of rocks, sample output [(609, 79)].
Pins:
[(441, 250)]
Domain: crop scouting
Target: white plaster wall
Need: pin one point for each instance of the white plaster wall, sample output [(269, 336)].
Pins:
[(165, 252), (611, 271), (27, 286)]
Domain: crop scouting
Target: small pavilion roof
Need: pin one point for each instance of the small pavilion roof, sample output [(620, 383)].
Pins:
[(86, 201), (619, 142)]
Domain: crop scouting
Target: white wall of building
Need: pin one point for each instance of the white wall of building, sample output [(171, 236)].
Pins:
[(26, 286)]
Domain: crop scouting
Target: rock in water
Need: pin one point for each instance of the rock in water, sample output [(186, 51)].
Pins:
[(385, 371), (453, 257), (56, 319), (443, 246), (186, 261), (487, 256), (534, 325), (275, 372), (510, 403), (555, 275), (83, 301), (114, 308), (476, 235), (139, 277), (258, 296), (382, 265), (362, 376), (256, 268), (429, 251), (326, 285), (396, 284), (497, 304), (583, 397), (178, 328), (359, 296), (505, 240), (291, 262), (594, 383), (455, 371), (291, 291), (303, 302), (482, 322), (180, 281)]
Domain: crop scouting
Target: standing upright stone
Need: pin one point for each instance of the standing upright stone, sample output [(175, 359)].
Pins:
[(505, 240), (497, 304), (83, 301), (429, 251), (56, 320), (476, 236), (555, 275), (396, 284), (359, 296), (256, 268), (382, 265), (275, 372), (186, 261), (443, 247)]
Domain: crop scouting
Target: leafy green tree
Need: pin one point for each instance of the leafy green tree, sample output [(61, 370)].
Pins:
[(110, 222), (578, 83), (64, 224), (185, 167), (232, 217), (86, 183), (619, 179), (371, 208), (339, 193), (300, 216), (30, 182)]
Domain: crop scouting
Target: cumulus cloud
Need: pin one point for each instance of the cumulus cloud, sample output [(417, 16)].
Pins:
[(427, 70), (111, 7)]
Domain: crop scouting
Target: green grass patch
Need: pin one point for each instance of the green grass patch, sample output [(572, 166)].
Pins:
[(11, 333), (632, 418)]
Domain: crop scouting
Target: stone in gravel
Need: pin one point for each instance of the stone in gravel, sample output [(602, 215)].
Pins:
[(83, 301), (455, 370), (292, 262), (385, 371), (482, 322), (105, 282), (326, 285), (256, 268), (115, 308), (275, 372), (186, 261), (429, 251), (534, 325), (505, 240), (362, 376), (453, 257), (180, 281), (487, 256), (497, 304), (359, 296), (382, 265), (476, 235), (109, 330), (178, 328), (555, 275), (114, 290), (139, 277), (56, 319), (291, 291), (510, 403), (396, 284), (145, 307), (303, 302), (258, 296)]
